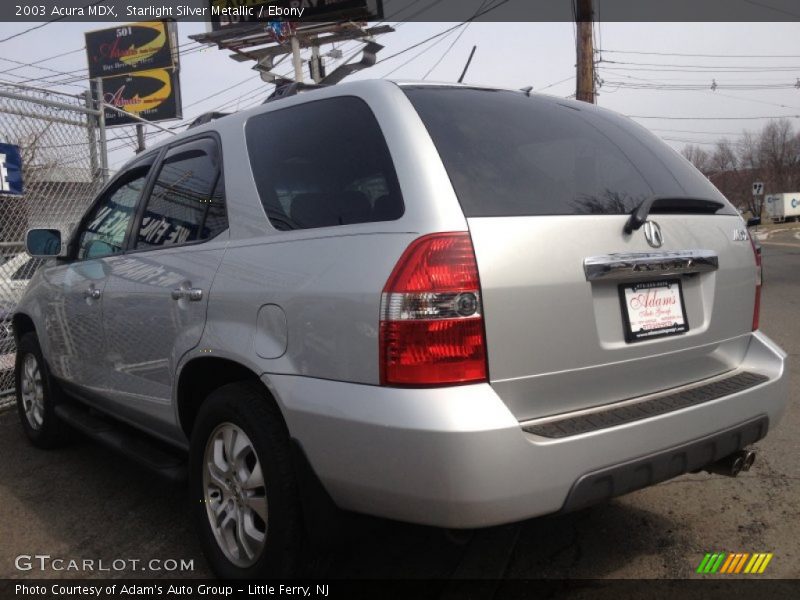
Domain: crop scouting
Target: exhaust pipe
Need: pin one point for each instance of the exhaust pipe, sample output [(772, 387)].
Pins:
[(733, 464)]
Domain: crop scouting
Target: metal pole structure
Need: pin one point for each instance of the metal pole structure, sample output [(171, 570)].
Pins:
[(101, 119), (297, 60), (584, 89), (140, 147), (91, 132), (315, 61), (466, 66)]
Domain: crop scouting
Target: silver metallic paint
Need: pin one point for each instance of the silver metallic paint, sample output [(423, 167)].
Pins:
[(453, 456)]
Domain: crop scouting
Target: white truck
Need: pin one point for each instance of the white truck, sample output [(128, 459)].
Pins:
[(780, 207)]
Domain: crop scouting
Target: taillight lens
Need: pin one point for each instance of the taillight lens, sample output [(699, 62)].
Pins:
[(757, 306), (431, 315)]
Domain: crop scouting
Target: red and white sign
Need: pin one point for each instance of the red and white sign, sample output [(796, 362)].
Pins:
[(653, 309)]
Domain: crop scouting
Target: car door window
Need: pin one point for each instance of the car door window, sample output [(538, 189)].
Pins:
[(104, 229), (187, 203)]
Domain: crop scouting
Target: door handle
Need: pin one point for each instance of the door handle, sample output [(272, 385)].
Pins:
[(190, 294), (93, 293)]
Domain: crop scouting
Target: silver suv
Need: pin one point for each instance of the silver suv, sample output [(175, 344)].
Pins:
[(447, 305)]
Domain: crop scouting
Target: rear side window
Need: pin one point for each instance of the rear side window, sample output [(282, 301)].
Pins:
[(187, 202), (508, 154), (323, 164)]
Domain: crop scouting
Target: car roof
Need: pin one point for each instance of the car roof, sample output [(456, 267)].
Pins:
[(344, 89)]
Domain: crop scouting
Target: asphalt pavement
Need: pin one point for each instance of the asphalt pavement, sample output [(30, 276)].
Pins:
[(84, 502)]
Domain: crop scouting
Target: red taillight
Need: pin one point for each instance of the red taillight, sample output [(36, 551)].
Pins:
[(431, 315), (757, 306)]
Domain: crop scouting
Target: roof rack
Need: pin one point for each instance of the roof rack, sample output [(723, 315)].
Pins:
[(207, 118), (292, 88)]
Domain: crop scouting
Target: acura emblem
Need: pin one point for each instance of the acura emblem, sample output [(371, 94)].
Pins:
[(652, 233)]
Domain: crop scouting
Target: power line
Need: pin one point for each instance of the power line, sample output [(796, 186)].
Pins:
[(455, 41), (693, 66), (695, 142), (773, 8), (441, 33), (702, 80), (700, 55), (415, 14), (570, 78), (423, 51), (697, 132), (222, 91), (707, 86), (73, 77), (714, 118), (715, 71), (21, 33), (41, 60)]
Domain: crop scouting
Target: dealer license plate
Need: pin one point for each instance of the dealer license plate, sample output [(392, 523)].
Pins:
[(653, 309)]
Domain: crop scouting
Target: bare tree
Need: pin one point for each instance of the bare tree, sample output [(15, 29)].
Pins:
[(771, 155), (724, 157), (777, 151), (697, 156)]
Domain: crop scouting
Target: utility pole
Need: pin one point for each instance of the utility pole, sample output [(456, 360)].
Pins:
[(296, 59), (584, 90), (140, 147), (101, 126)]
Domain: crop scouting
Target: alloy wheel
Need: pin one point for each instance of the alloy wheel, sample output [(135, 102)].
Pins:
[(235, 494), (32, 391)]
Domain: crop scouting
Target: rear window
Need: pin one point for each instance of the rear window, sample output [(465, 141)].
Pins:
[(508, 154), (323, 164)]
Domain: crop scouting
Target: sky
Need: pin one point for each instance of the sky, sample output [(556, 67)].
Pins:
[(513, 55)]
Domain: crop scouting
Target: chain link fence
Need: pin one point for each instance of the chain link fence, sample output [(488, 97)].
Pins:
[(61, 142)]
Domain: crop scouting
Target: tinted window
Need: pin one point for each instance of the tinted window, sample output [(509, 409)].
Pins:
[(510, 154), (187, 202), (104, 229), (27, 269), (322, 164)]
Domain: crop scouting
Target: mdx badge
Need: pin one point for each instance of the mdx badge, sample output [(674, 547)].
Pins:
[(652, 233)]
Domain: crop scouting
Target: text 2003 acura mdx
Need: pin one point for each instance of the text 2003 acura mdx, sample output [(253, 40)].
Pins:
[(445, 305)]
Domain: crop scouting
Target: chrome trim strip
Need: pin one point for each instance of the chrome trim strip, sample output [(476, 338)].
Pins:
[(635, 265)]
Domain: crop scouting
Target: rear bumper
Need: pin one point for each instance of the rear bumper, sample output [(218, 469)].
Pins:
[(457, 457)]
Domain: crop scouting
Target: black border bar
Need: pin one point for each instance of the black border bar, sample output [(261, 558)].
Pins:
[(705, 587), (688, 11)]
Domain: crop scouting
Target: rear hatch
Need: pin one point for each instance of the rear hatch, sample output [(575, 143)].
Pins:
[(578, 312)]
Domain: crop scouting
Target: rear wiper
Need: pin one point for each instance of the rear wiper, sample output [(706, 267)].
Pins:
[(669, 204)]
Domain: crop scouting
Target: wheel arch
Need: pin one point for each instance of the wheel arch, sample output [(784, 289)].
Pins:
[(202, 375), (21, 324)]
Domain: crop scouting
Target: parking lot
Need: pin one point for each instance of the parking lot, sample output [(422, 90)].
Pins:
[(83, 502)]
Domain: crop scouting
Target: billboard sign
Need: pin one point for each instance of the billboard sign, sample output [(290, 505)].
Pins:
[(153, 95), (229, 15), (10, 170), (132, 47)]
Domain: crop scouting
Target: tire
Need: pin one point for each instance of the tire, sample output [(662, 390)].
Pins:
[(37, 395), (240, 417)]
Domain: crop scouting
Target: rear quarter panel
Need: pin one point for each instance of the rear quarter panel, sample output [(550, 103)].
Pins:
[(327, 281)]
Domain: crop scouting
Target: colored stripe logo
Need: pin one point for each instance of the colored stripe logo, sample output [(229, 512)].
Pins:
[(734, 562)]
